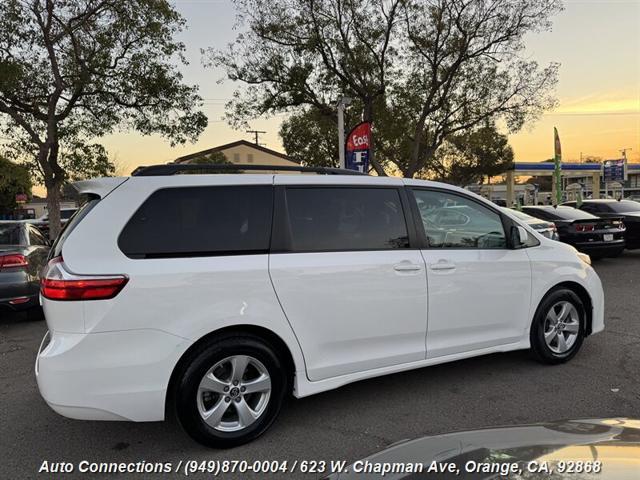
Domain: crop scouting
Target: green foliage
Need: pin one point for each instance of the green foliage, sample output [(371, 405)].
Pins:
[(467, 157), (14, 179), (310, 138), (422, 70), (73, 71), (215, 158)]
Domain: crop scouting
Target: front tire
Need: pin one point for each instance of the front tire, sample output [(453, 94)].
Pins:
[(231, 391), (558, 328)]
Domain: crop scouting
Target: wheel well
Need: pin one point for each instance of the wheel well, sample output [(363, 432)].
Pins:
[(262, 333), (582, 293)]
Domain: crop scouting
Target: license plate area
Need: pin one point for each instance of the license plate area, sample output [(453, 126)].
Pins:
[(608, 237)]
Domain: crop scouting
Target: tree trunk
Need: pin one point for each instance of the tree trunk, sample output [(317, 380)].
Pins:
[(53, 207), (367, 116), (53, 180)]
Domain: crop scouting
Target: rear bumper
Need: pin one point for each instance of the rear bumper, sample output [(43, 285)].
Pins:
[(18, 291), (120, 375), (601, 248)]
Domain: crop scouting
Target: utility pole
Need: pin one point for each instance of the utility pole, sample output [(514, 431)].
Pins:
[(343, 102), (256, 133), (623, 151)]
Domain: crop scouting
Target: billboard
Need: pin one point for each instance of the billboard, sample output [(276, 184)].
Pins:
[(358, 148), (614, 170)]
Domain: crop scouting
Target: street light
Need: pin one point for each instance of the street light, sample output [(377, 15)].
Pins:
[(342, 103)]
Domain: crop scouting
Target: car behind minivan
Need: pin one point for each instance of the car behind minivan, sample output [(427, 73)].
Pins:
[(214, 297)]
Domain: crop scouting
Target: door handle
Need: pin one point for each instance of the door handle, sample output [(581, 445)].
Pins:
[(442, 265), (407, 267)]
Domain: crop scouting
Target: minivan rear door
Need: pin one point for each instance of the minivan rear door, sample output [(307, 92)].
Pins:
[(351, 286)]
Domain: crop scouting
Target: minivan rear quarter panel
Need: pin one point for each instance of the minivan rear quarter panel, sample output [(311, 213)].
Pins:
[(188, 297)]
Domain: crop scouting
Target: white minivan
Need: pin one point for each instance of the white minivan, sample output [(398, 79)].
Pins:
[(216, 296)]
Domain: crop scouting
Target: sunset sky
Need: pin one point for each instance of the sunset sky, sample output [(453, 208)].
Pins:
[(596, 42)]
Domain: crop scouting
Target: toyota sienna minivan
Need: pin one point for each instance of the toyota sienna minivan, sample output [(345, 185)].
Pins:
[(214, 297)]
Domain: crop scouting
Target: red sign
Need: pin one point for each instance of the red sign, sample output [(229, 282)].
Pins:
[(358, 146), (359, 138), (21, 198)]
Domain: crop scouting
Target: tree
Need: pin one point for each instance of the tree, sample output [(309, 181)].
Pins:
[(14, 180), (467, 157), (215, 158), (466, 66), (307, 53), (424, 69), (74, 70)]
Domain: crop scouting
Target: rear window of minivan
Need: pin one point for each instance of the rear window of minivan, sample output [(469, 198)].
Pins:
[(200, 221), (323, 219)]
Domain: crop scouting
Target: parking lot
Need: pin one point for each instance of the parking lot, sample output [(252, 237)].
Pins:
[(356, 420)]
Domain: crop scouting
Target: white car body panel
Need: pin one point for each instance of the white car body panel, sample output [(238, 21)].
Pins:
[(344, 327), (480, 302), (382, 325)]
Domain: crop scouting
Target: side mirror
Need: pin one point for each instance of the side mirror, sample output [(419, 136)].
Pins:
[(519, 236), (523, 235)]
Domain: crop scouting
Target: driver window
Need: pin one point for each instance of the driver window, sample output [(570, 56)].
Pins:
[(453, 221)]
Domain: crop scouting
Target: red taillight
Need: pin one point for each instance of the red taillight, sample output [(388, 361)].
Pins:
[(102, 289), (59, 284), (585, 227), (13, 260)]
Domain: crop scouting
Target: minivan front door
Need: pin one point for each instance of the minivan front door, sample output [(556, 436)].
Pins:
[(352, 289), (479, 289)]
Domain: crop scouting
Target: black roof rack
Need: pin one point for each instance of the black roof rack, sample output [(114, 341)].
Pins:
[(173, 168)]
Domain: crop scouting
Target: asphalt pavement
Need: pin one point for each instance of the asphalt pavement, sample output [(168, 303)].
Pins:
[(351, 422)]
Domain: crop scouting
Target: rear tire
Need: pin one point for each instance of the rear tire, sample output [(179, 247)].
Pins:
[(558, 327), (230, 391)]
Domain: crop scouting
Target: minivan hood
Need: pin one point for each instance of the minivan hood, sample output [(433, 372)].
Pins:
[(614, 441)]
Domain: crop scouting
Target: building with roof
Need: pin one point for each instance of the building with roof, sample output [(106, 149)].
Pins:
[(243, 152)]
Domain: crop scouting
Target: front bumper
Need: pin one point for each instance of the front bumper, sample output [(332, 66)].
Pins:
[(120, 375)]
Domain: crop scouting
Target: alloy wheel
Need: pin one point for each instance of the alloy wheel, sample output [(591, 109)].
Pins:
[(234, 393), (561, 327)]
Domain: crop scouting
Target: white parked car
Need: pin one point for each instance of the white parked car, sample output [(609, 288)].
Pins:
[(216, 296)]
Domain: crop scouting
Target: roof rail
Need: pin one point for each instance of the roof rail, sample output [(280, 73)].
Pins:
[(172, 168)]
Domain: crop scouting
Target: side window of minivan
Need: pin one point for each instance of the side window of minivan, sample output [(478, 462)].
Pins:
[(454, 221), (200, 221), (341, 219)]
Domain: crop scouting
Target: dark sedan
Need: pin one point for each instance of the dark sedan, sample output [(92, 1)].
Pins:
[(628, 210), (598, 237), (23, 252), (548, 229)]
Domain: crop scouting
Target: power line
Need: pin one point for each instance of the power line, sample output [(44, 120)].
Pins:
[(256, 133)]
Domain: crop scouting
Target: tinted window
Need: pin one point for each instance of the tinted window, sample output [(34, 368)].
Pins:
[(66, 214), (200, 221), (453, 221), (624, 206), (35, 237), (330, 219), (593, 208), (568, 213), (11, 234), (538, 213)]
